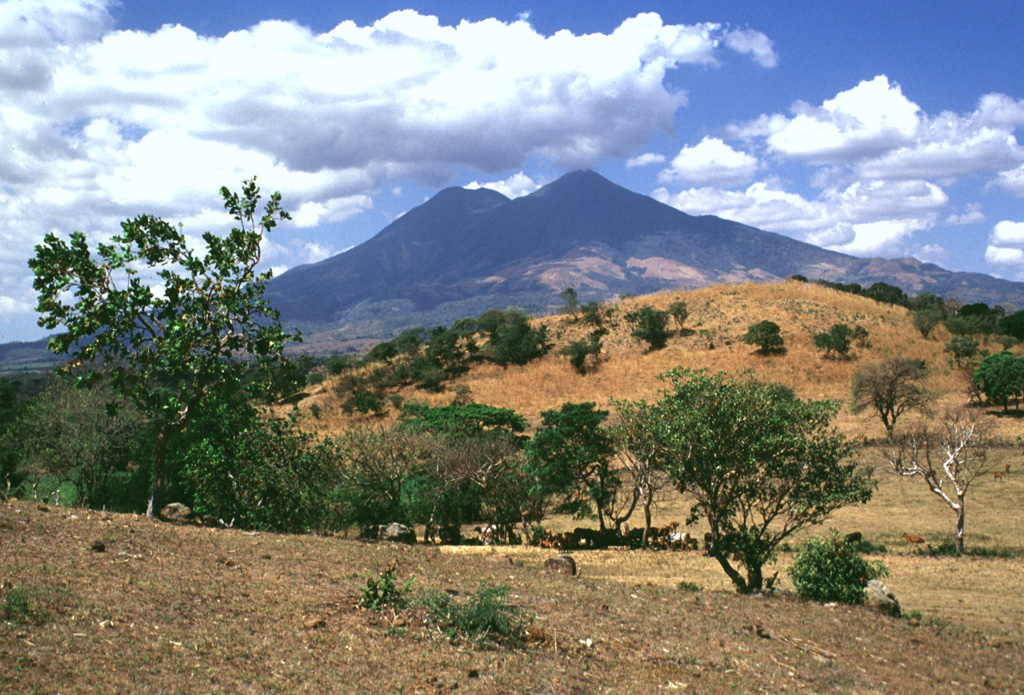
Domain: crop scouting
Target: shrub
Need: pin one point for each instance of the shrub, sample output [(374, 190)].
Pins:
[(962, 349), (649, 325), (516, 342), (383, 591), (830, 569), (579, 350), (679, 313), (485, 618), (839, 339), (766, 336)]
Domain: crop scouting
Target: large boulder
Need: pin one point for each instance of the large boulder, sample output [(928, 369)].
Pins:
[(561, 564), (398, 533), (878, 596), (177, 513)]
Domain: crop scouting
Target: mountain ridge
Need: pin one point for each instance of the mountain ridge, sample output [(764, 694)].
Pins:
[(467, 250)]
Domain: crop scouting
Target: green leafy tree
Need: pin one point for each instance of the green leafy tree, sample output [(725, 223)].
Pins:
[(571, 455), (579, 350), (1013, 325), (679, 313), (1000, 377), (649, 325), (766, 335), (572, 302), (962, 349), (166, 350), (890, 388), (838, 340), (925, 320), (760, 464), (515, 341), (72, 434), (887, 294)]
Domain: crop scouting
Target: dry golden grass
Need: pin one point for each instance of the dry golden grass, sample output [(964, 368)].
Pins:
[(169, 609), (628, 371)]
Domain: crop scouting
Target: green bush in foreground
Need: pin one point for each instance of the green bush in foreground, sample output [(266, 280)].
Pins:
[(384, 591), (830, 569), (485, 618)]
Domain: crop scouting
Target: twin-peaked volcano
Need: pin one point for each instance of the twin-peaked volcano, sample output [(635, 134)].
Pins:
[(466, 251)]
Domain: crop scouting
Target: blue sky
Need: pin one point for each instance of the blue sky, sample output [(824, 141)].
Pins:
[(872, 128)]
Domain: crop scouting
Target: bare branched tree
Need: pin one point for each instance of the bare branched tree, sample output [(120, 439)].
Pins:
[(948, 457)]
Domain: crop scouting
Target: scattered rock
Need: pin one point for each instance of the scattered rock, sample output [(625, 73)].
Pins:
[(176, 513), (395, 532), (314, 623), (561, 564), (98, 546), (878, 596)]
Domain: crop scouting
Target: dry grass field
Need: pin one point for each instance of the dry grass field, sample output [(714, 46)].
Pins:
[(188, 609), (172, 609)]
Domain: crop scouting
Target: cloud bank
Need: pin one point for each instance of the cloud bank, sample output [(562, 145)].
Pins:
[(99, 124)]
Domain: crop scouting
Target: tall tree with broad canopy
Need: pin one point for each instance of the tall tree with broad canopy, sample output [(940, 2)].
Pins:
[(761, 463), (169, 327)]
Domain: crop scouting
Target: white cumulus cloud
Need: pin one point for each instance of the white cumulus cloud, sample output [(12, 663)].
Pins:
[(711, 162)]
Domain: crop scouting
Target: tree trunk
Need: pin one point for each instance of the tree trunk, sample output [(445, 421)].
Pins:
[(737, 579), (960, 526), (157, 491), (647, 518)]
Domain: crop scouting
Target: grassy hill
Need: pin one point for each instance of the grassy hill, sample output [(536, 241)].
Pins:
[(718, 319), (167, 608)]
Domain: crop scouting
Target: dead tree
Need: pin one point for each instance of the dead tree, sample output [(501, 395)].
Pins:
[(948, 456)]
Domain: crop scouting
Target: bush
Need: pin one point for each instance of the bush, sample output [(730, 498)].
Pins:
[(839, 339), (830, 569), (516, 342), (649, 325), (383, 591), (485, 618), (579, 350), (766, 335)]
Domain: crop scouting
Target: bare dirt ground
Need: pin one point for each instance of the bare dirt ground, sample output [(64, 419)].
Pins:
[(172, 609)]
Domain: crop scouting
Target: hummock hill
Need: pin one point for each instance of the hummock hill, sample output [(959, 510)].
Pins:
[(466, 251)]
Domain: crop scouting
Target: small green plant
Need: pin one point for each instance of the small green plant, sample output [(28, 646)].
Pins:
[(16, 606), (486, 618), (384, 591), (691, 587), (830, 569)]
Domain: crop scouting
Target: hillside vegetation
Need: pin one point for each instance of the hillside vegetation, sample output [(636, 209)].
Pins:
[(711, 339)]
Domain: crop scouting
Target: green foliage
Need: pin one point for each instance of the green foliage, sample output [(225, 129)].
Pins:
[(259, 474), (16, 606), (1013, 325), (486, 618), (890, 387), (679, 313), (515, 341), (925, 320), (572, 302), (649, 325), (887, 294), (839, 339), (949, 549), (962, 350), (467, 420), (1000, 377), (570, 456), (691, 587), (830, 569), (365, 401), (766, 335), (384, 591), (760, 464), (596, 316), (78, 441), (579, 350), (167, 351)]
